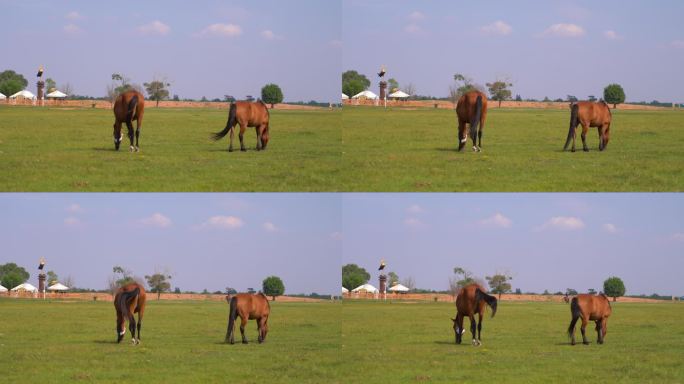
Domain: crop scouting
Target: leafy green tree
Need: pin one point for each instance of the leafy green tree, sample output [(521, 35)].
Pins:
[(570, 292), (354, 83), (158, 283), (177, 290), (50, 85), (157, 90), (230, 291), (392, 85), (273, 286), (354, 276), (271, 94), (52, 278), (571, 99), (614, 287), (614, 94), (392, 278), (499, 283), (461, 279), (592, 98), (121, 277), (11, 82), (12, 275), (499, 91)]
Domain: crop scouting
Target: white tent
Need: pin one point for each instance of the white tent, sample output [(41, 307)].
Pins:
[(399, 95), (345, 97), (2, 97), (56, 94), (3, 289), (365, 95), (58, 287), (25, 94), (25, 287), (365, 288), (344, 290), (399, 288)]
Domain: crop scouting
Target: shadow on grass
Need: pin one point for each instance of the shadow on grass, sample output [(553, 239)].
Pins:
[(104, 341), (101, 149)]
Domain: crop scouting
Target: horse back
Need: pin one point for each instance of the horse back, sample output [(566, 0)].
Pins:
[(465, 301), (253, 306), (467, 103), (124, 99), (595, 114), (253, 114), (594, 307)]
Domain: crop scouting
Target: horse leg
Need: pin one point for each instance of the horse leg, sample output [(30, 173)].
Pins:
[(459, 328), (585, 129), (604, 329), (603, 133), (571, 329), (574, 135), (131, 326), (258, 131), (138, 125), (462, 135), (473, 327), (243, 323), (479, 326), (129, 125), (259, 331), (232, 134), (583, 328), (598, 332), (479, 137), (120, 327), (241, 135)]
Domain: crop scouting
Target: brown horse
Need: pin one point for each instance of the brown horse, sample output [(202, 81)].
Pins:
[(248, 307), (472, 299), (589, 114), (247, 114), (471, 109), (129, 299), (590, 307), (128, 106)]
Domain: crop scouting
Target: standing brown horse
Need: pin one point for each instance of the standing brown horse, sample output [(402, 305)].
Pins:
[(248, 307), (590, 307), (472, 299), (471, 109), (129, 299), (589, 114), (128, 106), (246, 114)]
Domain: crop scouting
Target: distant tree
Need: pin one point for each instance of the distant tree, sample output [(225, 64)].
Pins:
[(273, 286), (410, 89), (354, 82), (546, 292), (518, 291), (614, 94), (499, 283), (177, 290), (570, 292), (124, 83), (518, 98), (204, 99), (592, 98), (546, 99), (392, 85), (271, 94), (251, 290), (228, 98), (52, 278), (571, 99), (157, 90), (12, 275), (11, 83), (354, 276), (614, 287), (558, 100), (230, 291), (121, 277), (50, 85), (409, 283), (175, 98), (249, 98), (461, 279), (499, 91), (158, 283), (392, 278), (205, 292), (592, 291), (216, 100), (69, 281)]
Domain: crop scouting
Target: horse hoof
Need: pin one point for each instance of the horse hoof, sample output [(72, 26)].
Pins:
[(586, 150), (230, 149), (243, 150), (137, 149), (585, 342), (572, 150), (131, 149)]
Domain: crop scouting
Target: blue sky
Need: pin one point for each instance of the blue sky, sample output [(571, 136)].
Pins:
[(203, 240), (207, 48), (545, 241), (549, 48)]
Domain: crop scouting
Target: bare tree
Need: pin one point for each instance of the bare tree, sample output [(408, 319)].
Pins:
[(68, 89), (69, 281), (410, 89), (409, 283)]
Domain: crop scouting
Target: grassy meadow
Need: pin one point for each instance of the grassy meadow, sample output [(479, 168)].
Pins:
[(526, 342), (61, 149), (182, 342), (399, 150)]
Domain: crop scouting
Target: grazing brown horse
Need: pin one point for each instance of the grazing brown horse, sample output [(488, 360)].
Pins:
[(472, 299), (471, 109), (247, 114), (128, 106), (248, 307), (589, 114), (129, 299), (590, 307)]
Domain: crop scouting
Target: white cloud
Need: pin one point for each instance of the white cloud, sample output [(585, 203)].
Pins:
[(497, 221), (270, 227), (156, 220), (610, 228), (611, 35), (564, 30), (678, 44), (417, 16), (412, 222), (413, 28), (269, 35), (336, 235), (223, 30), (497, 28), (72, 221), (415, 208), (223, 222), (678, 236), (564, 223), (335, 43), (154, 28), (72, 29), (73, 15), (75, 208)]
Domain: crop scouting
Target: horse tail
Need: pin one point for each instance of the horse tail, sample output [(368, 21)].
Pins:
[(232, 314), (132, 104), (124, 299), (576, 313), (574, 120), (490, 300), (476, 119), (232, 119)]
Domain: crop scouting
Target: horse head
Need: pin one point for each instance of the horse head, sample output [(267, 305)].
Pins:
[(117, 136)]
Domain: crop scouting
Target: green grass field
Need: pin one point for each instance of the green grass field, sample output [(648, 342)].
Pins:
[(400, 342), (415, 150), (53, 149), (182, 342)]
